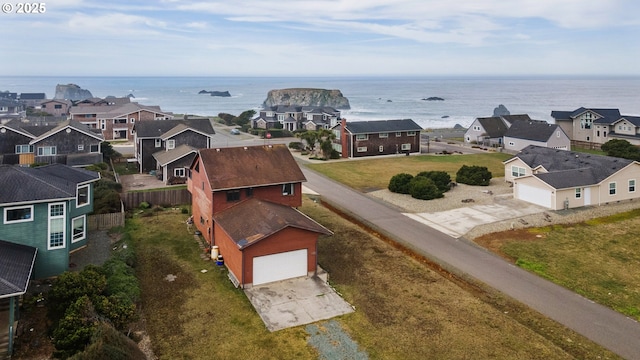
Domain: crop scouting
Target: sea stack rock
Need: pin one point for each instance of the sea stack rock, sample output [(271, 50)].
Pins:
[(307, 97), (501, 110), (71, 92)]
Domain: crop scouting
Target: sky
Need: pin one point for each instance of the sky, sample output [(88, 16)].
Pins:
[(321, 38)]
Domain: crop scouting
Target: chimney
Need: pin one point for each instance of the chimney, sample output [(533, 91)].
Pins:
[(344, 138)]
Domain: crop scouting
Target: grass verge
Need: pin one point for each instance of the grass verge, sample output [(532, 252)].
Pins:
[(597, 259), (374, 174)]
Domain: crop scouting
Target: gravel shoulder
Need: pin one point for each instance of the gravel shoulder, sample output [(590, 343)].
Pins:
[(498, 192)]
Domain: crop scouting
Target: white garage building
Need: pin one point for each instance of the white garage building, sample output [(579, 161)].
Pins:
[(558, 179)]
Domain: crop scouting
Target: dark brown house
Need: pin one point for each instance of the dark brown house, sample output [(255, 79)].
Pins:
[(379, 137)]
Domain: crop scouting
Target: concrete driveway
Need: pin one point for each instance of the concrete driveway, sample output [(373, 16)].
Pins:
[(458, 222), (295, 302)]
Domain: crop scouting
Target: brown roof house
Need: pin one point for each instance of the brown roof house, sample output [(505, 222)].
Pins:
[(244, 202)]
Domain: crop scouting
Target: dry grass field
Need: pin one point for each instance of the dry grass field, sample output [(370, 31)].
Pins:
[(405, 307)]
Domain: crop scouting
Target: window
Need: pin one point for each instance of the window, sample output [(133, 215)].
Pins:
[(362, 149), (287, 189), (158, 142), (362, 137), (24, 149), (406, 147), (249, 192), (119, 121), (132, 120), (383, 135), (178, 172), (171, 144), (82, 197), (381, 148), (233, 195), (78, 226), (18, 214), (578, 193), (46, 150), (517, 171), (56, 226), (103, 124), (632, 185), (411, 133), (57, 106), (80, 147), (586, 121), (94, 148), (398, 134), (612, 188)]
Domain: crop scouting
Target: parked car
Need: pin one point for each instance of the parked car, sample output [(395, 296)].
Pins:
[(235, 132)]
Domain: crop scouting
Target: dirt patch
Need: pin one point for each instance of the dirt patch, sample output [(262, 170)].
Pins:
[(495, 241)]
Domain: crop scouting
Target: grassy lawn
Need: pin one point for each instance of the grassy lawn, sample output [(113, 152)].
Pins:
[(125, 168), (374, 174), (405, 308), (598, 259)]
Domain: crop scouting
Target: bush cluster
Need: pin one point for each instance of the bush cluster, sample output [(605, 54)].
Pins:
[(426, 185), (81, 303), (474, 175)]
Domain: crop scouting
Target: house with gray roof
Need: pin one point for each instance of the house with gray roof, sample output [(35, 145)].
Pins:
[(154, 137), (592, 127), (46, 208), (524, 133), (378, 137), (68, 142), (173, 165), (292, 117), (490, 131), (558, 179)]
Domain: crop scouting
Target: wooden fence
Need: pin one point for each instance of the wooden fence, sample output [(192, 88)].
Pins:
[(106, 221), (171, 197)]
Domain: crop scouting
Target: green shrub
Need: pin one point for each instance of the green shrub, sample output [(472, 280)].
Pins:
[(399, 183), (118, 308), (440, 178), (108, 343), (474, 175), (70, 286), (184, 210), (296, 145), (144, 205), (334, 154), (76, 328), (423, 188), (121, 279)]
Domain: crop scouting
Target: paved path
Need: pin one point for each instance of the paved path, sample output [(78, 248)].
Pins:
[(598, 323)]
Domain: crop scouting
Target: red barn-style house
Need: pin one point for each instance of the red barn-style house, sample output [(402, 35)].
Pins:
[(243, 201)]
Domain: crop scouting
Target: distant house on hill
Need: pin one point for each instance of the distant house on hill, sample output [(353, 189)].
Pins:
[(590, 127), (56, 107), (524, 133), (557, 179), (378, 137), (293, 118)]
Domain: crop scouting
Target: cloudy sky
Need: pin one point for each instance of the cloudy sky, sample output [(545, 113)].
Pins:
[(324, 37)]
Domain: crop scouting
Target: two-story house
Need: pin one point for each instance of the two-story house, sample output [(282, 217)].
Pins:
[(56, 107), (379, 137), (166, 146), (490, 131), (10, 109), (116, 120), (297, 117), (68, 142), (589, 127), (46, 208), (243, 202), (557, 179)]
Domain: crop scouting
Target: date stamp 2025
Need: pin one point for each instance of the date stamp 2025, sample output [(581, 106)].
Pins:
[(24, 8)]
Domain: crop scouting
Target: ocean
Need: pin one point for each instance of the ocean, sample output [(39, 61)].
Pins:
[(371, 98)]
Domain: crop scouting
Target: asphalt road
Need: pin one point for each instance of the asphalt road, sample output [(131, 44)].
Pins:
[(606, 327)]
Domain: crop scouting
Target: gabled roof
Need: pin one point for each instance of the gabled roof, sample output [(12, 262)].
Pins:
[(182, 127), (493, 126), (166, 157), (250, 166), (33, 96), (378, 126), (15, 126), (605, 116), (516, 117), (72, 125), (158, 128), (253, 220), (49, 182), (16, 265), (567, 165), (116, 110), (635, 120), (532, 130)]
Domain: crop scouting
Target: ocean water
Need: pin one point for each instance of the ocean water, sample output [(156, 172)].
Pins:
[(371, 98)]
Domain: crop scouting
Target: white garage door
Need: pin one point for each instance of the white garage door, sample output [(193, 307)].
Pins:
[(534, 195), (278, 267)]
